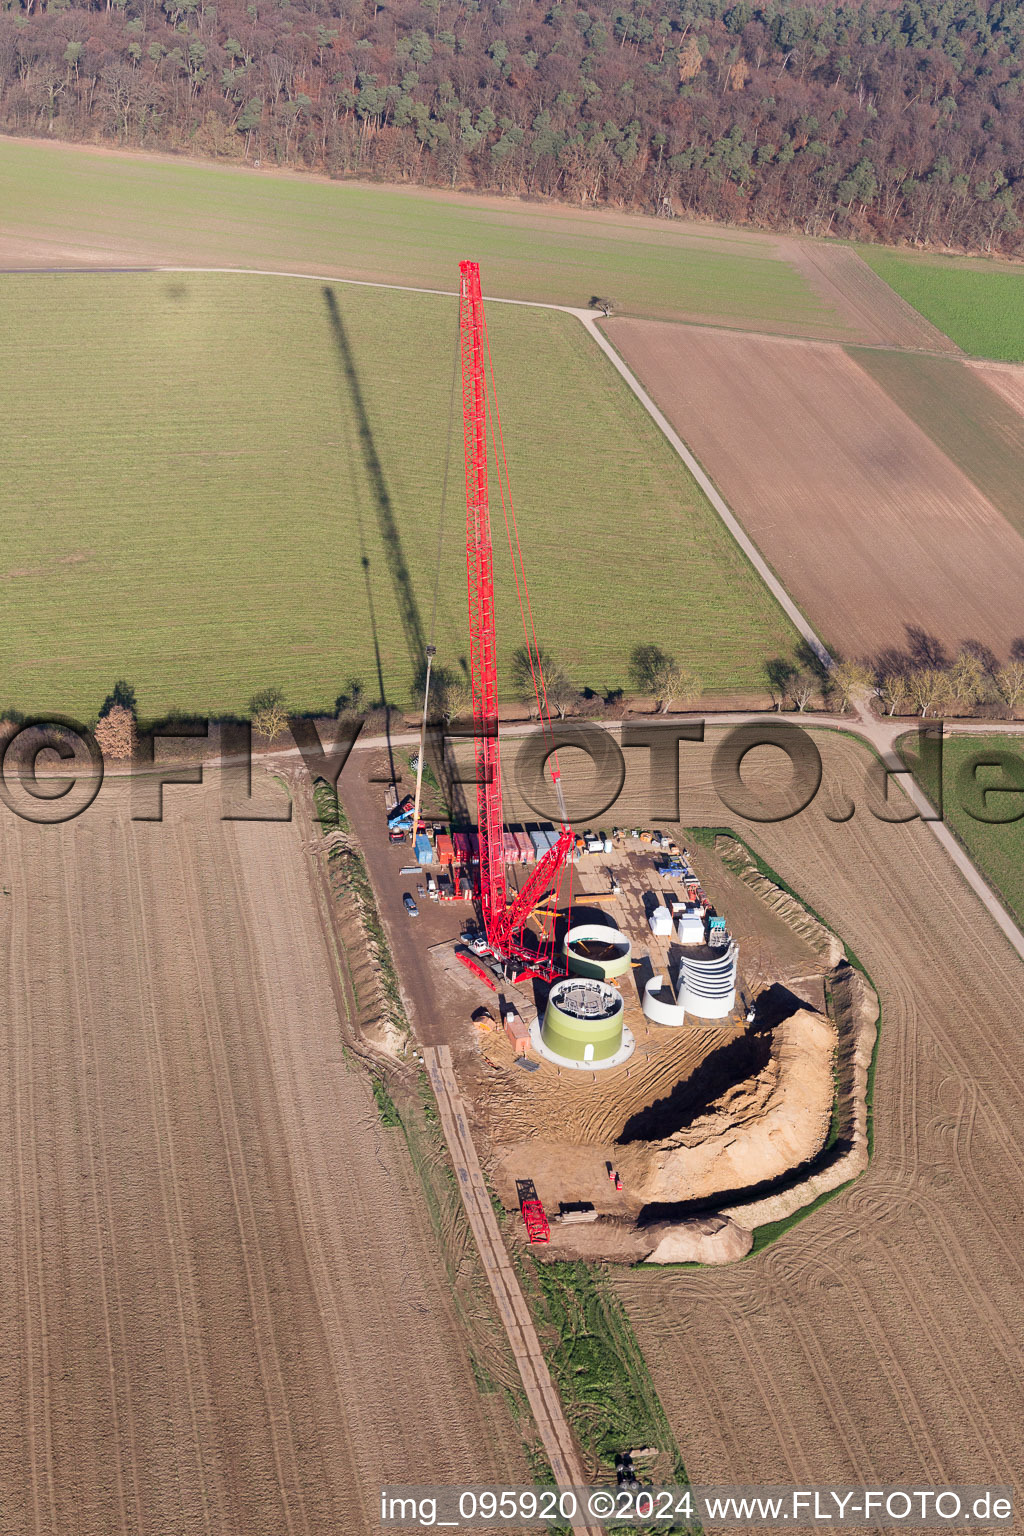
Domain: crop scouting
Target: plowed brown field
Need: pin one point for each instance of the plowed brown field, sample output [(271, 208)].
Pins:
[(870, 527), (222, 1308), (883, 1338)]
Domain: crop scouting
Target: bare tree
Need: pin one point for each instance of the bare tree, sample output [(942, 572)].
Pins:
[(537, 674), (967, 679), (268, 713), (563, 695), (852, 679), (457, 700), (672, 683), (929, 688), (779, 672), (894, 690), (116, 733), (803, 688), (1009, 682), (653, 671), (606, 306)]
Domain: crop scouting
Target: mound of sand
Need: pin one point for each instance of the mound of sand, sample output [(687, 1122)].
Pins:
[(758, 1130), (708, 1239), (855, 1006)]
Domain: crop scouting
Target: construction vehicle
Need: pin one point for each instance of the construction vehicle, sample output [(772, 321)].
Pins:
[(538, 1229), (474, 966), (534, 1215)]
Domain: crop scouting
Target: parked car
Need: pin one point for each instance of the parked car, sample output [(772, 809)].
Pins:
[(410, 906)]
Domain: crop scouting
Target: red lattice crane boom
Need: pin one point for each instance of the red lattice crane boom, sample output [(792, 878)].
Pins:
[(505, 924)]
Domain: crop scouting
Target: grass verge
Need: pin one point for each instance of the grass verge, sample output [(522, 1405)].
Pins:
[(597, 1365), (970, 778)]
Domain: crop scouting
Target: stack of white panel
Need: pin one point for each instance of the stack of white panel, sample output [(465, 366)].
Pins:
[(690, 927)]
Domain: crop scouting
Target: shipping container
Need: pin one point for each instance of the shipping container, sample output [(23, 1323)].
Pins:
[(518, 1034), (424, 852), (540, 844), (511, 850), (525, 847), (445, 849), (474, 848), (460, 842)]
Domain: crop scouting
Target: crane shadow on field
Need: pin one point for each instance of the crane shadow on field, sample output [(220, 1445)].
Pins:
[(387, 526)]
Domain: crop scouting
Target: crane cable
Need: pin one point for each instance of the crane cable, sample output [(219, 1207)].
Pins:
[(533, 652)]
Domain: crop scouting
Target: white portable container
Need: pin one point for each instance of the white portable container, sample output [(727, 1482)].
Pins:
[(661, 922)]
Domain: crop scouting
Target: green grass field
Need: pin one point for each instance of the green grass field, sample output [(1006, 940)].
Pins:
[(65, 205), (188, 502), (996, 848), (966, 418), (979, 305)]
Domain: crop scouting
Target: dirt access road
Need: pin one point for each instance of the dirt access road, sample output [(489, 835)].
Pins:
[(543, 1398), (222, 1304)]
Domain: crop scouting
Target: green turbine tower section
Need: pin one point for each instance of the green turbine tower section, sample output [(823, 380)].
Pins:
[(583, 1020)]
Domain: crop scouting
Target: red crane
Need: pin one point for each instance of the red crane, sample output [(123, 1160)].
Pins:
[(505, 923)]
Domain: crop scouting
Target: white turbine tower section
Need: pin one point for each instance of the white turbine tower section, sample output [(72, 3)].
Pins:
[(706, 983)]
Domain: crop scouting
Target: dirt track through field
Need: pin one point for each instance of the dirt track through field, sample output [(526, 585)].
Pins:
[(542, 1396), (883, 1338), (874, 310), (220, 1296), (869, 526)]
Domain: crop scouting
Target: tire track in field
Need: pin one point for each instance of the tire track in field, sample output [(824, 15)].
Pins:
[(379, 1225), (881, 1204), (32, 1311), (892, 1320), (143, 955), (275, 1396), (96, 1149)]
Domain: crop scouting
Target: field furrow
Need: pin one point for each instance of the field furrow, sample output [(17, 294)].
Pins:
[(220, 1284)]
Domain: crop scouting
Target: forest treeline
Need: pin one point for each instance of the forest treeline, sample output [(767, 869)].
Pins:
[(882, 121)]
